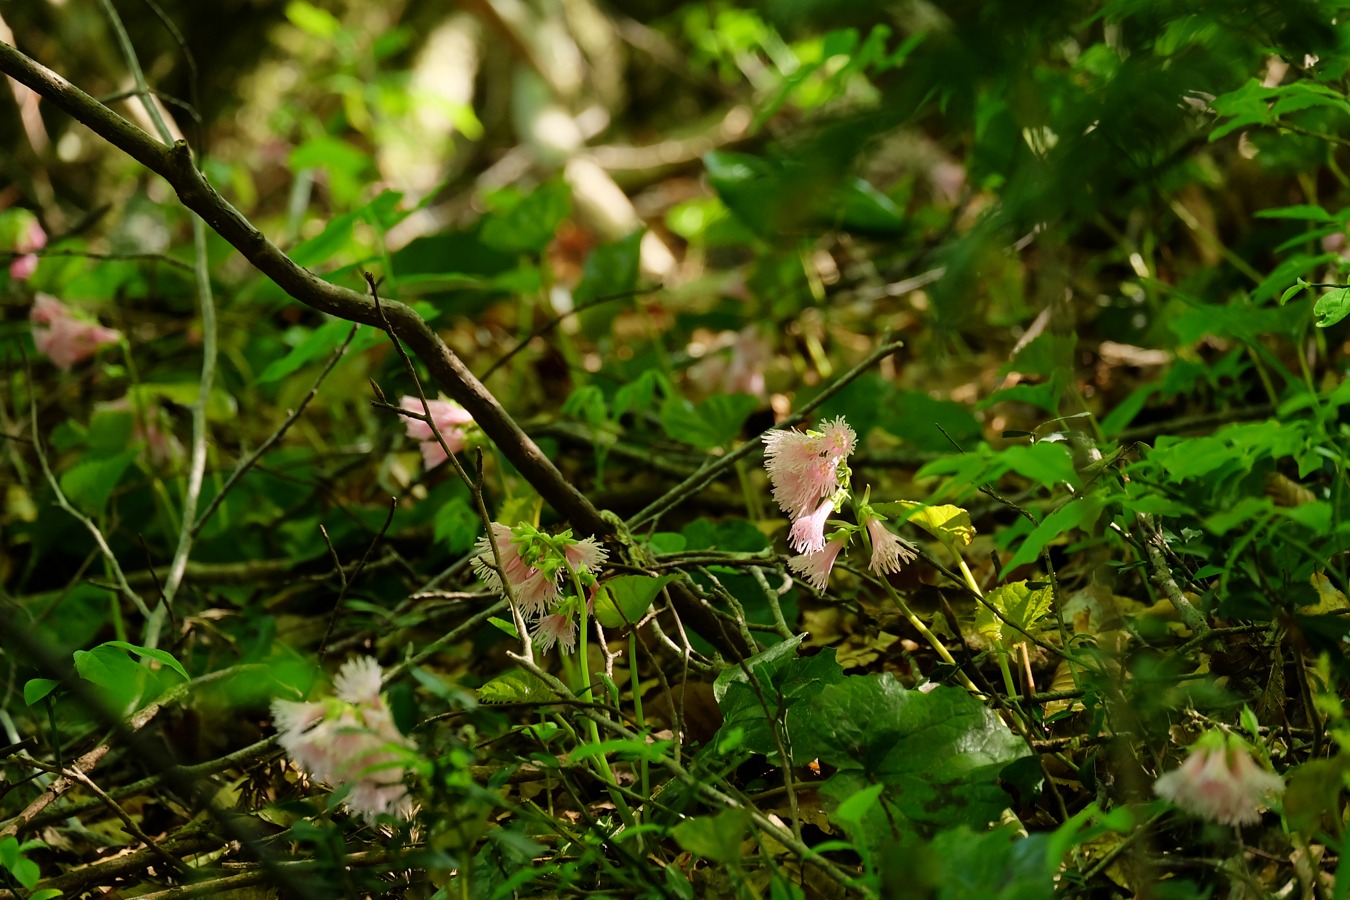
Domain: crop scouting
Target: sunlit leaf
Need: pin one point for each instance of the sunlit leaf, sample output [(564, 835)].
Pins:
[(1021, 605)]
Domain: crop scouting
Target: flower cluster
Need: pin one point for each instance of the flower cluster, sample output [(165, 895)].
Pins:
[(62, 337), (810, 479), (1220, 781), (450, 419), (350, 740), (536, 566)]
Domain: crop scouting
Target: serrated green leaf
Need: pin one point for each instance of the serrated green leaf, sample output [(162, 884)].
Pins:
[(715, 422), (1021, 605), (457, 525), (624, 600), (718, 837), (524, 508)]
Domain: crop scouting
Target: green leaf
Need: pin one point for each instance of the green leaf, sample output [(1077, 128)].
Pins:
[(920, 420), (1021, 605), (1306, 211), (504, 626), (1314, 790), (320, 343), (345, 165), (949, 524), (1245, 512), (1296, 288), (854, 809), (1119, 418), (1046, 463), (1331, 307), (530, 224), (624, 600), (775, 657), (335, 237), (785, 682), (312, 20), (457, 525), (718, 837), (940, 753), (220, 405), (36, 688), (515, 686), (113, 670), (1073, 514), (731, 535), (162, 656), (90, 482), (610, 270), (715, 422)]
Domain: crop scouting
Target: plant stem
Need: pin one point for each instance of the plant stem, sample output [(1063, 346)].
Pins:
[(644, 772), (593, 730)]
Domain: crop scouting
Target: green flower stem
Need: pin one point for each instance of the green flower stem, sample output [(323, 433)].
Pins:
[(644, 773), (1008, 684), (1000, 653), (932, 639), (593, 730), (965, 571), (920, 627)]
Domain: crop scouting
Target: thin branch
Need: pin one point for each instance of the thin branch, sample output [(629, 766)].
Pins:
[(123, 588), (249, 461), (176, 165)]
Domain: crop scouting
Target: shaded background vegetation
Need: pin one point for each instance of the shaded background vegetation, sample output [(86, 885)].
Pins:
[(1082, 220)]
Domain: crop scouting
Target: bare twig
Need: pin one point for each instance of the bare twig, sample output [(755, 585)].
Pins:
[(249, 461), (176, 165)]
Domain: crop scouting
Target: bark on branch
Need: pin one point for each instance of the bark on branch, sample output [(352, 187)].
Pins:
[(175, 165)]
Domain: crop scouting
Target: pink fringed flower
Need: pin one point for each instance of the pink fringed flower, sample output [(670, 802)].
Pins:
[(535, 589), (804, 466), (815, 567), (808, 532), (350, 740), (450, 419), (63, 338), (586, 555), (889, 552), (1220, 781), (557, 628), (23, 266)]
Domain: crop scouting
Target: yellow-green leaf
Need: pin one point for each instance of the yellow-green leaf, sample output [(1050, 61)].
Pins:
[(1020, 605), (949, 524)]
